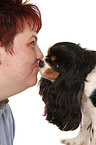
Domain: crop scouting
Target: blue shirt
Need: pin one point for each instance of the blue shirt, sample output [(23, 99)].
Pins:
[(7, 126)]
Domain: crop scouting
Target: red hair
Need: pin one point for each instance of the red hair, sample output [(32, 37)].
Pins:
[(14, 15)]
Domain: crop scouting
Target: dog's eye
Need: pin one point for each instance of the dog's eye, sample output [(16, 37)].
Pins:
[(56, 67)]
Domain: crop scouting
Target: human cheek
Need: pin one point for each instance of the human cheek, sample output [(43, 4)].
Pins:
[(31, 62)]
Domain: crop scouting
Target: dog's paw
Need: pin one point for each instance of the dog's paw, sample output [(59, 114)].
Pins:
[(65, 142), (71, 142)]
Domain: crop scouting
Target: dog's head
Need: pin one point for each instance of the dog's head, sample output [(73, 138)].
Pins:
[(64, 71)]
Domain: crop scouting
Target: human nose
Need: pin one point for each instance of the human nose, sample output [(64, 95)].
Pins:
[(39, 54)]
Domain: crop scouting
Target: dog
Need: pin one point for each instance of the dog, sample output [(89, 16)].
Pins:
[(68, 88)]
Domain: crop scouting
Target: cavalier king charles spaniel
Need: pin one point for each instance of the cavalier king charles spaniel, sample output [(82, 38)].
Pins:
[(68, 88)]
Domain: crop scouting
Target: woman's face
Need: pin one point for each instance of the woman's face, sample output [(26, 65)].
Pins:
[(20, 69)]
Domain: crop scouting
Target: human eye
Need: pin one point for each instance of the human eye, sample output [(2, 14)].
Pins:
[(32, 44)]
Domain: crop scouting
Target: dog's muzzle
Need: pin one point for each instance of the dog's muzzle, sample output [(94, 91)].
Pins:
[(41, 63)]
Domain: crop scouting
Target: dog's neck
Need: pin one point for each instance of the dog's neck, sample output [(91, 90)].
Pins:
[(90, 84)]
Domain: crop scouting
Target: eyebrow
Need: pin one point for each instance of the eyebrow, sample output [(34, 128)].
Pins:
[(33, 36)]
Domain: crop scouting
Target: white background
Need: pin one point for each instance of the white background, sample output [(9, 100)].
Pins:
[(62, 20)]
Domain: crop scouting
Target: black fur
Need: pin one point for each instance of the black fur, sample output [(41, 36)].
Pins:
[(63, 97)]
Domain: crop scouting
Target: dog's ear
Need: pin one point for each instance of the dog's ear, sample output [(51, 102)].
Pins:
[(63, 106), (44, 86)]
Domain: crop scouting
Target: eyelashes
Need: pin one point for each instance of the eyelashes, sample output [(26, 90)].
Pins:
[(33, 43)]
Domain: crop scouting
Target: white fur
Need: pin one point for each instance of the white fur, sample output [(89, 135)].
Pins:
[(43, 69)]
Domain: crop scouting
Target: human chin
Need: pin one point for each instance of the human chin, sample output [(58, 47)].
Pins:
[(33, 80)]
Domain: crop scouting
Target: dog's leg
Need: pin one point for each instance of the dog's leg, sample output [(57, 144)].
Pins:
[(83, 137), (92, 114), (94, 137), (93, 132)]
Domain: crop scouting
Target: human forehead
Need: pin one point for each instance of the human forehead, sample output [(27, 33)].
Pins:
[(26, 35)]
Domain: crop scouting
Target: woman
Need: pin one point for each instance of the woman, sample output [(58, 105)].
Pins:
[(19, 57)]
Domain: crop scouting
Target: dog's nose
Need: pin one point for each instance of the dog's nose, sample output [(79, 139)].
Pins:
[(41, 63)]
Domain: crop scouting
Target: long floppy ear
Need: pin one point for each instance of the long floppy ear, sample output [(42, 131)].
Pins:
[(63, 107), (44, 87)]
